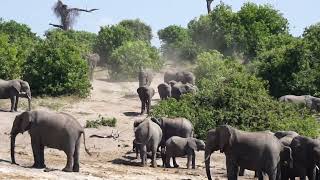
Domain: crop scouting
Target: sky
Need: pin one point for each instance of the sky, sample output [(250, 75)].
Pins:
[(37, 14)]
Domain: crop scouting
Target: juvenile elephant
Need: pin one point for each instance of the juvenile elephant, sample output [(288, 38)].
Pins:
[(257, 151), (148, 135), (180, 76), (48, 129), (178, 89), (306, 156), (164, 90), (145, 95), (178, 147), (13, 89), (145, 77)]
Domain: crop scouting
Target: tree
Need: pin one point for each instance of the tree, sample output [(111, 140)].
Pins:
[(67, 15), (17, 42), (110, 38), (209, 2), (127, 60), (173, 34), (141, 31), (56, 67)]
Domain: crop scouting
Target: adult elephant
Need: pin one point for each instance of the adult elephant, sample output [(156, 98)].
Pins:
[(49, 129), (178, 89), (92, 60), (145, 77), (145, 95), (180, 76), (300, 100), (164, 90), (148, 136), (257, 151), (306, 157), (13, 89)]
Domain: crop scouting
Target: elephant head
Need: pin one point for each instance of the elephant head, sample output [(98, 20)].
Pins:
[(217, 139), (23, 89), (21, 124), (195, 144)]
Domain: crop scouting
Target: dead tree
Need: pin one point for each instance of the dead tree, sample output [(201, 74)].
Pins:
[(209, 2), (67, 15)]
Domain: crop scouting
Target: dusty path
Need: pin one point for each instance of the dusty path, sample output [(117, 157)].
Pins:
[(112, 159)]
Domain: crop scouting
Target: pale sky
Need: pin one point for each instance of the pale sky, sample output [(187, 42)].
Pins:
[(157, 13)]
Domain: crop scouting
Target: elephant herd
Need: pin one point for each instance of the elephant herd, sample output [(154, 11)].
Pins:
[(175, 85)]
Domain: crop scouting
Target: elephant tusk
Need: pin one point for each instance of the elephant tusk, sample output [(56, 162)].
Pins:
[(317, 168), (208, 157)]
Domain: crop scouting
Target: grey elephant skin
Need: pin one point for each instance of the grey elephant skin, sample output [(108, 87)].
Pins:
[(49, 129), (145, 95), (305, 100), (257, 151), (180, 76), (306, 156), (13, 89), (148, 136), (178, 89), (178, 147), (92, 60), (164, 90), (145, 77)]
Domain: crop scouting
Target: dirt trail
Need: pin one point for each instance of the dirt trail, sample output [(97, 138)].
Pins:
[(111, 159)]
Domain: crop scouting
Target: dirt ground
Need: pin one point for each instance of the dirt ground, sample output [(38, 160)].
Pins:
[(111, 159)]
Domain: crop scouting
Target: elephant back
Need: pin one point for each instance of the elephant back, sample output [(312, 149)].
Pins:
[(177, 127), (170, 76)]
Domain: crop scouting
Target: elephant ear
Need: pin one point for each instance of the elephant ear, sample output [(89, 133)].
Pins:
[(192, 144), (16, 85), (225, 137), (286, 155)]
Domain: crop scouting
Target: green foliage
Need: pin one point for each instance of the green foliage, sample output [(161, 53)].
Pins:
[(101, 121), (141, 31), (173, 34), (56, 68), (16, 43), (241, 32), (230, 95), (128, 58)]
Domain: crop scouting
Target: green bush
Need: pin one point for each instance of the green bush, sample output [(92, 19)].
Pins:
[(128, 58), (230, 95), (56, 68), (101, 121)]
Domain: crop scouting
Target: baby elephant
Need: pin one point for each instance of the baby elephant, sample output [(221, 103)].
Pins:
[(164, 90), (145, 95), (178, 147)]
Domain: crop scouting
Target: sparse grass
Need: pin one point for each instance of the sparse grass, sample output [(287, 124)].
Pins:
[(101, 121)]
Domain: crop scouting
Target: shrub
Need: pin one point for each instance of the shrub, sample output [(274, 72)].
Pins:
[(230, 95), (56, 68), (128, 58), (101, 121)]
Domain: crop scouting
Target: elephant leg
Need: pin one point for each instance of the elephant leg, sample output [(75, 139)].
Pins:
[(76, 154), (143, 154), (193, 160), (35, 143), (175, 164), (241, 171), (13, 101), (168, 160), (70, 151), (154, 154), (260, 175), (232, 169), (42, 156), (16, 103), (311, 173), (189, 157)]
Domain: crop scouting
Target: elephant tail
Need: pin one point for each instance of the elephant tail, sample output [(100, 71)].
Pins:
[(84, 142)]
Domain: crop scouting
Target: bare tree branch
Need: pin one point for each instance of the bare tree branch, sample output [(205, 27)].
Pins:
[(83, 10)]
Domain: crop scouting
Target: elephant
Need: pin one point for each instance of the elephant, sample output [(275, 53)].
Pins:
[(306, 158), (50, 129), (179, 89), (148, 136), (145, 95), (92, 60), (305, 100), (145, 77), (13, 89), (180, 76), (164, 90), (258, 151), (314, 104), (178, 147)]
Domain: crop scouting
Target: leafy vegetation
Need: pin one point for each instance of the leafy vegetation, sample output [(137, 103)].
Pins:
[(141, 31), (101, 121), (56, 67), (229, 94)]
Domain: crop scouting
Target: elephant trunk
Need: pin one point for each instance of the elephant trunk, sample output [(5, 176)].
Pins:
[(13, 141), (29, 100), (207, 156)]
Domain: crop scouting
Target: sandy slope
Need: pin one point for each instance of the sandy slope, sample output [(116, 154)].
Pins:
[(112, 159)]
